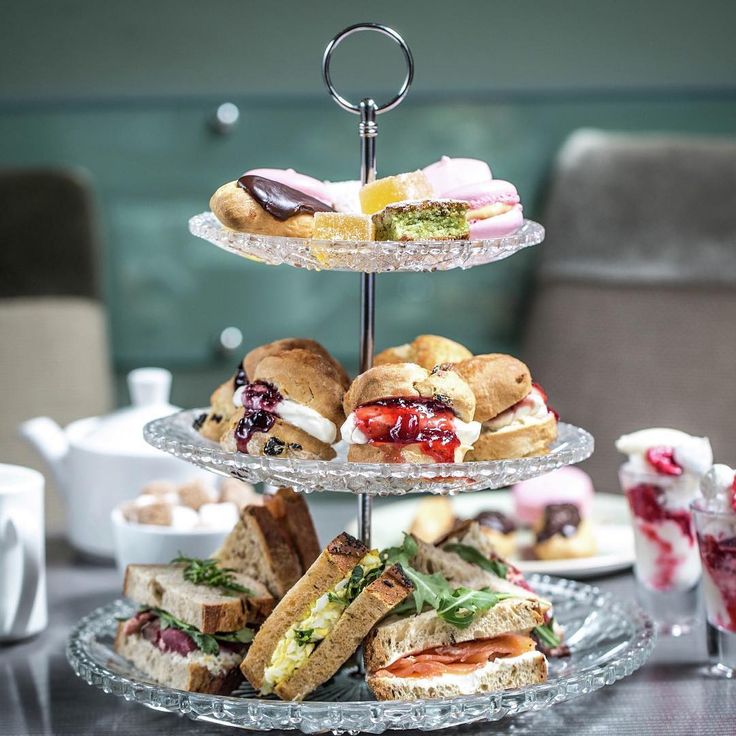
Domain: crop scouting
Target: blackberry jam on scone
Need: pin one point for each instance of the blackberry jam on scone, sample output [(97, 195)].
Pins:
[(291, 407), (402, 413)]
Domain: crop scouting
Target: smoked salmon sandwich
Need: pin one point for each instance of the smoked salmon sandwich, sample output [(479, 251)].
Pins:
[(431, 655)]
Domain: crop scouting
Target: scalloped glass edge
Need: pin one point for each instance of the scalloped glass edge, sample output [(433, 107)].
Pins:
[(174, 434), (367, 256), (369, 716)]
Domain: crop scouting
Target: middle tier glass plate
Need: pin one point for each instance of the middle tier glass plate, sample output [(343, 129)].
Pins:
[(174, 434), (369, 256)]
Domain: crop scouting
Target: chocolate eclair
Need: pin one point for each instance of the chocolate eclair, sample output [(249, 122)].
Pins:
[(290, 407), (402, 413), (254, 204), (562, 533)]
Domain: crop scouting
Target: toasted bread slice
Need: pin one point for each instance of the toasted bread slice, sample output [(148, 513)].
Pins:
[(399, 636), (258, 547), (207, 609), (374, 602), (291, 511), (430, 559), (500, 674), (336, 561), (196, 672)]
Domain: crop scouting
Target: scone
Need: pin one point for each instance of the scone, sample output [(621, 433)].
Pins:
[(563, 534), (516, 421), (291, 407), (402, 413), (426, 351), (212, 424), (254, 204)]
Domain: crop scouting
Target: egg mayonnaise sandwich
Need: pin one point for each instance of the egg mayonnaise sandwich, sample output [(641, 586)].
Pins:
[(323, 619)]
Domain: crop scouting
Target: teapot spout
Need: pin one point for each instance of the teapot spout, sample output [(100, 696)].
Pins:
[(50, 442)]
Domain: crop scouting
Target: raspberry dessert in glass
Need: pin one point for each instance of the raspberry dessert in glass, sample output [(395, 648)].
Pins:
[(715, 522), (660, 479)]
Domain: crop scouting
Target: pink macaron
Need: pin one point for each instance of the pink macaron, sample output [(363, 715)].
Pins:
[(451, 173), (485, 193), (565, 485), (301, 182)]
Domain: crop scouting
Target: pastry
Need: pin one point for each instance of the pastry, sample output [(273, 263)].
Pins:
[(426, 351), (253, 204), (342, 226), (403, 413), (301, 182), (494, 208), (434, 518), (400, 188), (426, 219), (345, 195), (516, 421), (255, 356), (291, 407), (564, 485), (449, 173), (562, 534)]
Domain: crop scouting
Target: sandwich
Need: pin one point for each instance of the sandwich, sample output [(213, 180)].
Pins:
[(426, 656), (402, 413), (323, 619), (193, 625), (212, 424), (426, 351), (274, 543), (466, 557), (291, 407), (516, 421)]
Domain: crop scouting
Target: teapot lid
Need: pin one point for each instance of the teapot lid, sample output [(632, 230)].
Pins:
[(122, 431)]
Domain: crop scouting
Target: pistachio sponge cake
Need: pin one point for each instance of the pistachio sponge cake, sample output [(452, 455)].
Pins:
[(426, 219)]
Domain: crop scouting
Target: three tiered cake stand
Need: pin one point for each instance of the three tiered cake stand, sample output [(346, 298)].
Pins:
[(609, 639)]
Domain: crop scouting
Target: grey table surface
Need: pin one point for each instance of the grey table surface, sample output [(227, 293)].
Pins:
[(39, 693)]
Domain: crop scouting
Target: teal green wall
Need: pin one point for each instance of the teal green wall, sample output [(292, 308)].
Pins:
[(125, 91)]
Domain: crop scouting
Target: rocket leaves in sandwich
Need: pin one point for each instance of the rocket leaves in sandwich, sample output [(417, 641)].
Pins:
[(464, 604), (209, 572), (475, 557), (456, 606), (546, 635), (208, 643)]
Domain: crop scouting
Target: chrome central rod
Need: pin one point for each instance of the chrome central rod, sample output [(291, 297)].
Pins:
[(368, 130)]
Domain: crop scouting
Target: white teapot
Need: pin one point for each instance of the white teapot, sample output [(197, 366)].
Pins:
[(99, 462)]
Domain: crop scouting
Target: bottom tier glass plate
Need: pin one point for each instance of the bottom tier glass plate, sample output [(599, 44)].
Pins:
[(174, 434), (609, 639)]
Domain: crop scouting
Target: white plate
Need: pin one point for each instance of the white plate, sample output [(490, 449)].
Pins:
[(609, 517)]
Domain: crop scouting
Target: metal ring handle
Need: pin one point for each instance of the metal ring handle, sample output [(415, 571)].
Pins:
[(386, 31)]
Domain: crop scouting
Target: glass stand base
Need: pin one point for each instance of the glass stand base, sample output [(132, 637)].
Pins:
[(675, 613)]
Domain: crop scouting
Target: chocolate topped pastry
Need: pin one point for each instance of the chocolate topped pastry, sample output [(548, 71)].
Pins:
[(563, 533), (279, 200), (559, 518), (496, 521)]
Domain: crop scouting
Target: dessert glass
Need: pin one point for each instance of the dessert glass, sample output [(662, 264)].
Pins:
[(717, 540), (667, 564)]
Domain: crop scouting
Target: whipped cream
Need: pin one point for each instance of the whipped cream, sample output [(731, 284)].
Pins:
[(717, 487), (532, 409), (693, 454), (467, 432), (300, 416)]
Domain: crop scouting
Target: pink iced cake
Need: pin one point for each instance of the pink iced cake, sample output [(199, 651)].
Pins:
[(565, 485)]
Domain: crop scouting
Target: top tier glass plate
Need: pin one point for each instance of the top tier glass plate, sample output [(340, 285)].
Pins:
[(174, 434), (369, 256), (609, 639)]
